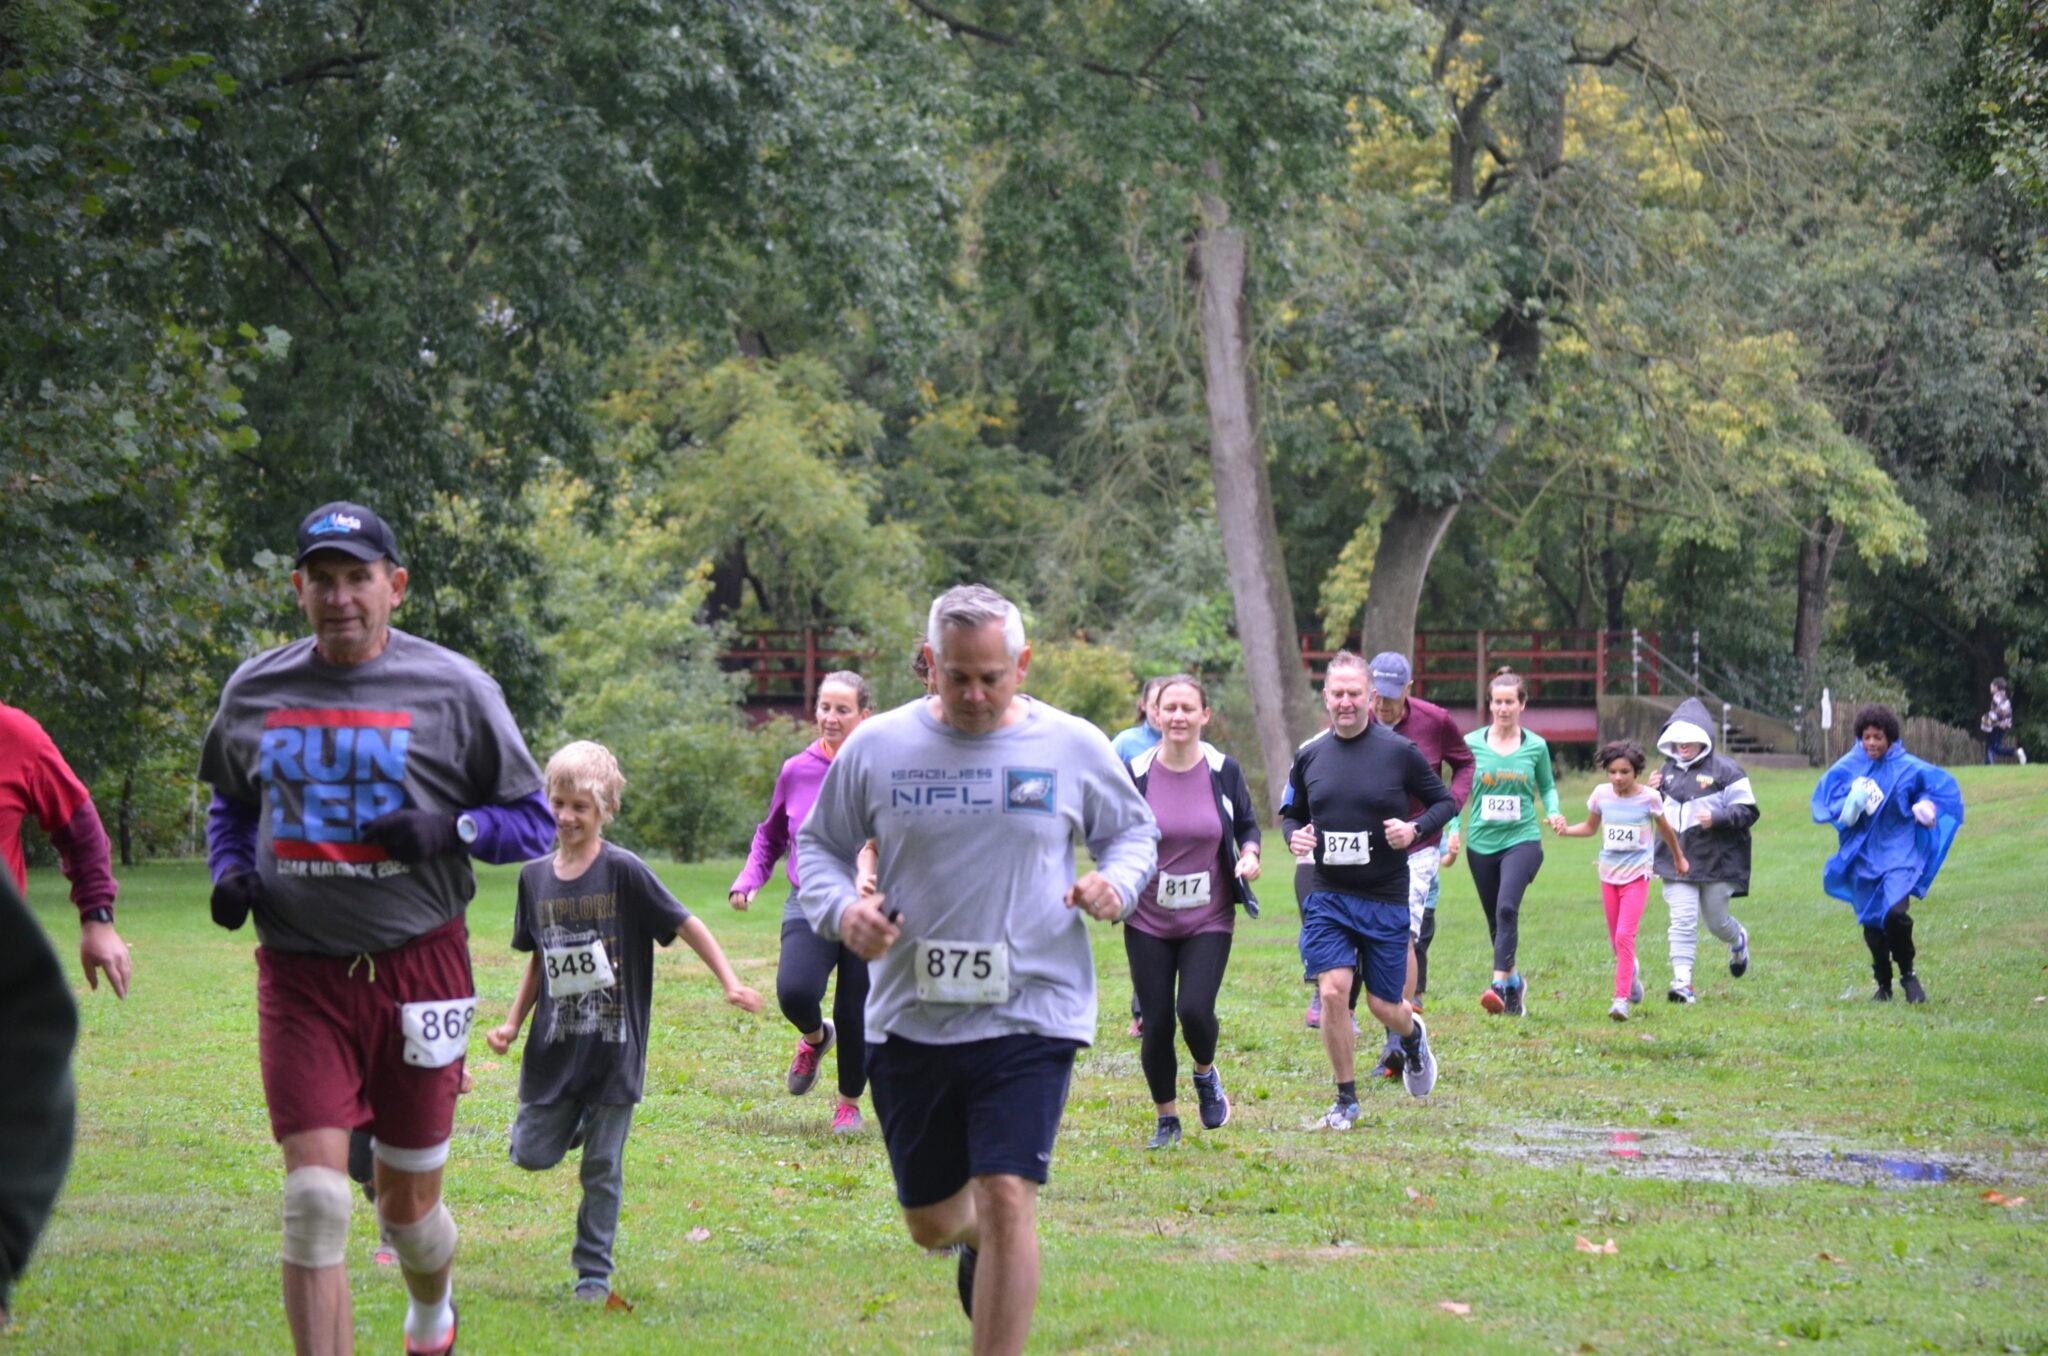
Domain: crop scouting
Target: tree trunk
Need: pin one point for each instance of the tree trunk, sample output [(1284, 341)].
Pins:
[(127, 819), (1282, 712), (1408, 542), (1816, 562)]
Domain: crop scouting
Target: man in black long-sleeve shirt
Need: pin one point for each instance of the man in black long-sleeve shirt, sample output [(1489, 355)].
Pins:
[(1347, 803)]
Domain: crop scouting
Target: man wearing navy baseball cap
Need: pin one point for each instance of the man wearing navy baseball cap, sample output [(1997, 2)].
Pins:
[(1430, 728), (350, 529), (355, 775)]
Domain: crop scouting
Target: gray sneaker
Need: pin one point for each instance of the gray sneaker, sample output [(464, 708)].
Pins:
[(1166, 1135), (1214, 1105), (1418, 1070), (803, 1066), (1635, 987), (593, 1289)]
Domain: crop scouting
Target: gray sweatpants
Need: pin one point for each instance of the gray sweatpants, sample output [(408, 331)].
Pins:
[(1687, 901), (540, 1137)]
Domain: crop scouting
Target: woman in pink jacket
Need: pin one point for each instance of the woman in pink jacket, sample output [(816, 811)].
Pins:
[(808, 960)]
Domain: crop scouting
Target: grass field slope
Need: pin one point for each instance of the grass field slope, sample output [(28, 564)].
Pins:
[(1784, 1165)]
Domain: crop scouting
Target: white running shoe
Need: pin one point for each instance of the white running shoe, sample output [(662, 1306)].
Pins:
[(1618, 1010), (1341, 1116)]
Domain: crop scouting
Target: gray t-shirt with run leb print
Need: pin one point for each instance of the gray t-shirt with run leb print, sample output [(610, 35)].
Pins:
[(589, 1038)]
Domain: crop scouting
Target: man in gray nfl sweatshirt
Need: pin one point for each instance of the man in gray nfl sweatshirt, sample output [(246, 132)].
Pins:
[(982, 982)]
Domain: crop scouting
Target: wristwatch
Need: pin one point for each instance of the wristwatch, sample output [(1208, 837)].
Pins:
[(102, 914), (466, 827)]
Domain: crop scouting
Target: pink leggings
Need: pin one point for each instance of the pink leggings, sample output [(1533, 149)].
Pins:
[(1624, 904)]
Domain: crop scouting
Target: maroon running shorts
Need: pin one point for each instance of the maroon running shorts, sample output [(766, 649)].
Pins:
[(331, 1046)]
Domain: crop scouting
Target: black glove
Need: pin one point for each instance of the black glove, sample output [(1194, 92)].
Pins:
[(235, 895), (413, 835)]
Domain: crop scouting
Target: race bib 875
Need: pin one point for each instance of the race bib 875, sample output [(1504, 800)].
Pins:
[(962, 972)]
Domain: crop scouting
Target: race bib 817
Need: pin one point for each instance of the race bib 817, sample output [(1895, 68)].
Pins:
[(1183, 892)]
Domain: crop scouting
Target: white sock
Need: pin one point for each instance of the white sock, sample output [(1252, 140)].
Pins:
[(1681, 974), (429, 1320)]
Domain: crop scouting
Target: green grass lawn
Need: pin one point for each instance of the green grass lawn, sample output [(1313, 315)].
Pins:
[(749, 1228)]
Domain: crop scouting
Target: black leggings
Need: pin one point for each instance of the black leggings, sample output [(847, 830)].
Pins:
[(1198, 963), (1891, 942), (800, 977), (1501, 878)]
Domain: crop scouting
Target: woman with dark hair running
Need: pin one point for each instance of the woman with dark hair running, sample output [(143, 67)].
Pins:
[(1178, 940), (1504, 842), (1895, 816), (807, 961)]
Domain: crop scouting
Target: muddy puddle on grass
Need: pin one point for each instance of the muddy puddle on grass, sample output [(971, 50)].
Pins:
[(1789, 1157)]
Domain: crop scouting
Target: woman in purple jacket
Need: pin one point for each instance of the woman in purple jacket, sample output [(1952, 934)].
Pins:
[(808, 960), (1178, 939)]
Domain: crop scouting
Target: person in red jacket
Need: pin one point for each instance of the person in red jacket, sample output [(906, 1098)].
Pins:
[(35, 780)]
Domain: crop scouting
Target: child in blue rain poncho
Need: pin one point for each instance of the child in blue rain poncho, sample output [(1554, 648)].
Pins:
[(1896, 816)]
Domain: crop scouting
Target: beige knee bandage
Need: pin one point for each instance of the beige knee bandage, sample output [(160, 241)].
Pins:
[(425, 1245), (316, 1204)]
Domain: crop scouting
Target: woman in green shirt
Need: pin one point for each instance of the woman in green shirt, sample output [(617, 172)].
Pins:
[(1504, 842)]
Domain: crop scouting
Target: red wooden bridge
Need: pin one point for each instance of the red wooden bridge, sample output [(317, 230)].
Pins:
[(1567, 671)]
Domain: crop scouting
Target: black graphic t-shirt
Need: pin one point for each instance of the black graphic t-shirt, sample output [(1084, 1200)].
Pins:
[(589, 1038)]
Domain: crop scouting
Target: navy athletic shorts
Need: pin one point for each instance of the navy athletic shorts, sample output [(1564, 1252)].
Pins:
[(951, 1112), (1340, 931)]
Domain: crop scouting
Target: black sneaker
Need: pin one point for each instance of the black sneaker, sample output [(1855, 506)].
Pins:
[(1914, 993), (1392, 1060), (1215, 1106), (1738, 954), (1515, 994), (963, 1278), (1883, 994), (1166, 1135)]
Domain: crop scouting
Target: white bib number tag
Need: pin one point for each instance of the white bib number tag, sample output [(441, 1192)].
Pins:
[(436, 1033), (1346, 849), (1500, 809), (1625, 837), (578, 969), (1183, 892), (962, 972)]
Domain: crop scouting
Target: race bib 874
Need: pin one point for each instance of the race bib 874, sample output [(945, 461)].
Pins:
[(1346, 849)]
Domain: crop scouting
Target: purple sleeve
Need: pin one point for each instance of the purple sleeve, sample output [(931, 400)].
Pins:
[(230, 836), (82, 847), (518, 832), (771, 840)]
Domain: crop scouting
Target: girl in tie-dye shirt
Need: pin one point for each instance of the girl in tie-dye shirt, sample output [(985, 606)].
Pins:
[(1623, 814)]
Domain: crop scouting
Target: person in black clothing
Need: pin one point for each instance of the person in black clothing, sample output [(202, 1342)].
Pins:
[(1347, 803), (37, 1116)]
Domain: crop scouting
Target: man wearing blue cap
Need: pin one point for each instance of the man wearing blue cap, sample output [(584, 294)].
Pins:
[(355, 774), (1430, 729)]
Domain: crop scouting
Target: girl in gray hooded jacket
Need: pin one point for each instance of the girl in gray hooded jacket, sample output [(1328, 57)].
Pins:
[(1709, 805)]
